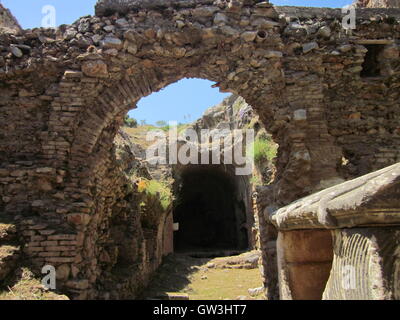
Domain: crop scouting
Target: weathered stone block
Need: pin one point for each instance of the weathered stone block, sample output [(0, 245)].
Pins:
[(112, 43), (95, 69), (310, 46), (304, 263)]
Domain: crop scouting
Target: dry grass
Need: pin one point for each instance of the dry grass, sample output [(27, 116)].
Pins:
[(138, 135), (6, 229), (27, 287), (221, 284), (7, 250), (204, 279)]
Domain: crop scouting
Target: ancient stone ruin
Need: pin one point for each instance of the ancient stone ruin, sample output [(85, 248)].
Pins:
[(328, 96)]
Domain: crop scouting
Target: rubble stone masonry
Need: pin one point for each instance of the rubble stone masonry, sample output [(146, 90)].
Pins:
[(329, 97)]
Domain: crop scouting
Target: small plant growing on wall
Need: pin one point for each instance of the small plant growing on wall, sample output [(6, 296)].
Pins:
[(156, 199)]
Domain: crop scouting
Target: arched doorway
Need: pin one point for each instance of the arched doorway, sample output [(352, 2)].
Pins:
[(208, 211)]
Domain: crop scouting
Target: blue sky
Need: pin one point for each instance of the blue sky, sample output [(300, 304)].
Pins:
[(183, 101)]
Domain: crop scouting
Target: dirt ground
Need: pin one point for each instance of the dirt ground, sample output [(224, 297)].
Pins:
[(197, 277)]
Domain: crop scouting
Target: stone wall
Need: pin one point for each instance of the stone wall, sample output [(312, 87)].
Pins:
[(64, 93), (266, 241), (124, 249)]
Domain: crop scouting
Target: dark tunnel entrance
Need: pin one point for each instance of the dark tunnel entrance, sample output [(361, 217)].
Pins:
[(208, 211)]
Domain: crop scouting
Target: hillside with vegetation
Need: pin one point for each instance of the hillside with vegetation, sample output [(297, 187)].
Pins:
[(232, 110)]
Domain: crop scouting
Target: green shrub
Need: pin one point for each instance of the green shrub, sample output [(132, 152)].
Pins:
[(130, 122), (264, 149), (161, 123), (158, 190), (256, 180)]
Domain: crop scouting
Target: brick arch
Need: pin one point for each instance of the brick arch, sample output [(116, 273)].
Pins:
[(100, 122), (220, 57), (114, 102), (90, 155)]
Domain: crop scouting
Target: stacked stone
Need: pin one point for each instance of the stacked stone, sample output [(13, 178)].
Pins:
[(345, 61), (267, 234)]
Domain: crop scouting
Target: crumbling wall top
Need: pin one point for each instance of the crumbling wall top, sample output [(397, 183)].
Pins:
[(108, 7), (332, 13)]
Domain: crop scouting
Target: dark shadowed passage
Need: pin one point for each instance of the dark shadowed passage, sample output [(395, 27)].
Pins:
[(209, 217)]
